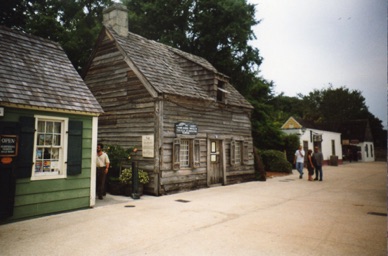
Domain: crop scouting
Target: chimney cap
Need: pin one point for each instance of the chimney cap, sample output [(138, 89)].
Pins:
[(115, 6)]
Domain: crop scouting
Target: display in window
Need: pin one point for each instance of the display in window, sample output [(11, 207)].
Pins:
[(46, 166), (46, 154), (48, 140), (39, 153), (38, 166), (54, 166), (55, 154), (41, 139)]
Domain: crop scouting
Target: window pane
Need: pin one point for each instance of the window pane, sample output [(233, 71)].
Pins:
[(55, 153), (57, 127), (238, 153), (38, 166), (57, 140), (46, 166), (47, 154), (48, 139), (41, 126), (184, 153), (40, 139), (49, 127), (39, 153)]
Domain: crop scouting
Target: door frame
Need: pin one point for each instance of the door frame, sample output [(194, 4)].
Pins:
[(222, 156)]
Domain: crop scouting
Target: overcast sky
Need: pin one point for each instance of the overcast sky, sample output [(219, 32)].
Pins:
[(307, 44)]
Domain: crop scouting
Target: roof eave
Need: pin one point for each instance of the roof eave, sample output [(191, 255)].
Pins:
[(56, 110)]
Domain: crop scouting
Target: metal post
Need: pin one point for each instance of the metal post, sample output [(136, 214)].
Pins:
[(135, 181)]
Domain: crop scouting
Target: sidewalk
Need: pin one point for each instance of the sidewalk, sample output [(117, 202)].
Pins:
[(345, 214)]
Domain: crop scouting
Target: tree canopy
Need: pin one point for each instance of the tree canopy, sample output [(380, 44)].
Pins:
[(74, 24), (218, 30)]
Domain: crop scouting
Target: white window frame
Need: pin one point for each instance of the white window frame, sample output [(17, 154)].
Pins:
[(238, 153), (185, 153), (62, 166)]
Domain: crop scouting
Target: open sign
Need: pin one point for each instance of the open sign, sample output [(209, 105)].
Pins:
[(9, 145)]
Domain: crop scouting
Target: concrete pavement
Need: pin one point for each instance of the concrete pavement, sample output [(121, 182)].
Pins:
[(343, 215)]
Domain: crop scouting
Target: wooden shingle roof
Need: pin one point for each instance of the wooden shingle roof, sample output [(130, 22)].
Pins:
[(161, 66), (36, 73)]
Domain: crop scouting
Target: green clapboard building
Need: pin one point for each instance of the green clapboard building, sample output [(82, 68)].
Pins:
[(48, 130)]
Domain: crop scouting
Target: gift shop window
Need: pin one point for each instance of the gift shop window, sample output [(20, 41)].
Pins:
[(49, 148)]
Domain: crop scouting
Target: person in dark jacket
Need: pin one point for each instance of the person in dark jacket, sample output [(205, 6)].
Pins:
[(318, 162), (310, 165)]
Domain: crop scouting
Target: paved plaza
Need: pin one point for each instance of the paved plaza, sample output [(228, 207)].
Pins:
[(345, 214)]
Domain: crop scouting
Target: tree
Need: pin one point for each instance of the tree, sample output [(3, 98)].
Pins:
[(74, 24), (332, 106), (265, 130)]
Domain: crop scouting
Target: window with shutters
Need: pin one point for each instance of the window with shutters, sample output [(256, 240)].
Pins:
[(238, 152), (50, 148), (186, 153)]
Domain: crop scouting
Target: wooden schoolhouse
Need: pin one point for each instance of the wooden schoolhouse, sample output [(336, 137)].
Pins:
[(48, 130), (191, 126)]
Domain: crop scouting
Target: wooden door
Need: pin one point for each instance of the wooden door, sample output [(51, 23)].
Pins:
[(215, 170)]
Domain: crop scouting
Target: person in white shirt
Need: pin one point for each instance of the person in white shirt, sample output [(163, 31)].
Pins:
[(299, 161), (102, 164)]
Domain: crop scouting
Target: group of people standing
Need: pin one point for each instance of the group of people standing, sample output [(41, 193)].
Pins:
[(314, 162)]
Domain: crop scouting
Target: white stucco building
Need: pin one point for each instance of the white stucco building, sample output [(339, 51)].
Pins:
[(328, 142)]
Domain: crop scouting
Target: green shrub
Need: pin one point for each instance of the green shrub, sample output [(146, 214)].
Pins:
[(275, 161), (291, 144), (126, 176)]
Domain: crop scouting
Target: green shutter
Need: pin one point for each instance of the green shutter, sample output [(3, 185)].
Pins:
[(26, 147), (74, 148)]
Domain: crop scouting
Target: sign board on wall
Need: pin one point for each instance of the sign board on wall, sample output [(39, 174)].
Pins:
[(186, 128), (8, 145), (148, 145)]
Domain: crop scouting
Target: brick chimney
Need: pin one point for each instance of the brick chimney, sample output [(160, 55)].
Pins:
[(116, 16)]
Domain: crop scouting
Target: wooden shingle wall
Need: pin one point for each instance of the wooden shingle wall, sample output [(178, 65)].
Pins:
[(210, 120)]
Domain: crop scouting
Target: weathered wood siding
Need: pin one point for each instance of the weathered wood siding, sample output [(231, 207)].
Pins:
[(128, 106), (40, 197), (211, 119), (131, 111)]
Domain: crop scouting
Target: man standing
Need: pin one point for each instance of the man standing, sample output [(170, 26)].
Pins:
[(102, 165), (318, 162), (299, 161)]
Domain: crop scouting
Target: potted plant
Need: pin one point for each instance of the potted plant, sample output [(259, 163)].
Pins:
[(117, 157), (126, 179)]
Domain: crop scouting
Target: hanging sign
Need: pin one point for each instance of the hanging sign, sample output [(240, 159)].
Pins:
[(186, 128), (8, 145)]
